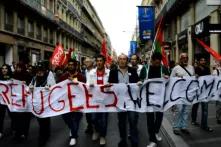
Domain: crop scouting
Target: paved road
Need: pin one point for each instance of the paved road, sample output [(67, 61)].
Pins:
[(59, 137)]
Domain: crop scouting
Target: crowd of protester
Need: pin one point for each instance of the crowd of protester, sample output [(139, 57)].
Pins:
[(94, 71)]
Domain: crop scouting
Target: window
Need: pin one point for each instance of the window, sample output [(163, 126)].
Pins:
[(38, 31), (30, 28), (45, 35), (51, 37), (8, 20), (51, 5), (21, 25), (44, 3)]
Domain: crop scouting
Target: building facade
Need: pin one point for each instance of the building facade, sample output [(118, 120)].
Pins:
[(30, 29), (185, 20)]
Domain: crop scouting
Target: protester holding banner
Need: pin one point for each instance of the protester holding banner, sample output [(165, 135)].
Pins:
[(154, 119), (99, 76), (72, 119), (134, 61), (5, 75), (181, 110), (125, 74), (201, 70), (21, 119), (217, 71), (89, 66), (43, 78)]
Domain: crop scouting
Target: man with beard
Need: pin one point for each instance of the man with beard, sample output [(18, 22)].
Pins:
[(43, 78), (72, 119), (134, 61), (154, 119), (89, 63), (182, 111), (201, 70)]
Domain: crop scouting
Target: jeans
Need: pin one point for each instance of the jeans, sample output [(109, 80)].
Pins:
[(22, 123), (72, 120), (2, 116), (100, 123), (204, 117), (154, 121), (122, 125), (181, 116), (44, 129), (89, 119), (218, 111)]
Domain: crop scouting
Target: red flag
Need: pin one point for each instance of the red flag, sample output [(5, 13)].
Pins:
[(158, 43), (209, 50), (104, 48), (109, 59), (57, 56), (66, 57)]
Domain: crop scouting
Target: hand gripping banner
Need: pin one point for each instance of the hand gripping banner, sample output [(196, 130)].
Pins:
[(67, 96)]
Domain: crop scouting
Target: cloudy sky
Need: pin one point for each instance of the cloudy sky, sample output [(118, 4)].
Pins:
[(119, 20)]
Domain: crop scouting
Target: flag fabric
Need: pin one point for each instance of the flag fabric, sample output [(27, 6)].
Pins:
[(58, 55), (74, 56), (66, 57), (209, 50), (109, 59), (104, 48), (158, 43)]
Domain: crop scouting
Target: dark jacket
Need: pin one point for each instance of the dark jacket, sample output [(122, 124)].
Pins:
[(113, 76), (154, 72), (202, 71), (79, 76)]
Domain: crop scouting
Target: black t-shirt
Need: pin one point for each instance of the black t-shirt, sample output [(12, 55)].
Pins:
[(154, 72), (202, 71)]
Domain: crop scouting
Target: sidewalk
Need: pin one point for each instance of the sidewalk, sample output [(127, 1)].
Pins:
[(197, 137)]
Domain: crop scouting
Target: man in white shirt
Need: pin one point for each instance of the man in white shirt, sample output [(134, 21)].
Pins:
[(182, 111), (99, 76), (134, 61), (89, 67), (217, 72)]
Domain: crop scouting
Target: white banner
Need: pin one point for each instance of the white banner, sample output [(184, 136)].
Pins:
[(153, 95)]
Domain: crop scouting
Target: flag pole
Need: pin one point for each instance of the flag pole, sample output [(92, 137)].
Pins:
[(153, 46)]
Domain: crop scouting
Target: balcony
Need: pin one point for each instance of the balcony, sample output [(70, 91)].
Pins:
[(177, 6), (36, 5), (9, 27), (31, 34), (73, 10), (45, 39), (21, 31), (63, 25), (38, 36), (51, 41)]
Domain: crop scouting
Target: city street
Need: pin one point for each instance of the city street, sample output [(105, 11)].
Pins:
[(59, 136)]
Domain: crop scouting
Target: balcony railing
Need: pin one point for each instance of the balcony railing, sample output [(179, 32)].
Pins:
[(21, 31), (36, 4), (9, 27), (38, 37), (69, 29), (51, 41), (45, 39), (73, 10), (31, 34)]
